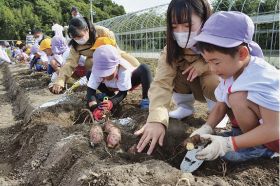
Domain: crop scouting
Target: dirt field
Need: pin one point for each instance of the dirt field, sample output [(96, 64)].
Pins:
[(50, 146)]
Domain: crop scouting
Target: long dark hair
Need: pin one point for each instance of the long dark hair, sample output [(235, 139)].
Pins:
[(78, 24), (178, 12)]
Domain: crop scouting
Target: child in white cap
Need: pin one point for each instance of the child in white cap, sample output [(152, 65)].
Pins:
[(60, 52), (250, 87), (110, 73)]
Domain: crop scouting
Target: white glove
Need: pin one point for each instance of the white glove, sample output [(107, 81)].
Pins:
[(219, 146), (204, 129)]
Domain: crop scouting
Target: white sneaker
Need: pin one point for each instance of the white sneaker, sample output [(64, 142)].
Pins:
[(184, 105), (275, 155), (180, 113)]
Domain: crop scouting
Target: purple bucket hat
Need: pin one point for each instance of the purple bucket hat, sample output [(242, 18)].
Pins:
[(230, 29), (58, 45), (105, 60)]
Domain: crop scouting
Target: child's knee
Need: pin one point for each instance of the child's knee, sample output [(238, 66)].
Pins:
[(53, 63)]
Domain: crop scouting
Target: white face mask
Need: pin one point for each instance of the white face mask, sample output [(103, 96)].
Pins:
[(38, 39), (82, 41), (182, 39)]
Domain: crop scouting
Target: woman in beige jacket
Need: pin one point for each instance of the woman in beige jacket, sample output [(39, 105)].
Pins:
[(181, 71), (83, 35)]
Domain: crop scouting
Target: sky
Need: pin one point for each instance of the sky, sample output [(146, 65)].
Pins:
[(135, 5)]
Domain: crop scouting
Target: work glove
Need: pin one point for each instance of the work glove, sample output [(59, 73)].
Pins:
[(204, 129), (98, 114), (75, 85), (80, 82), (219, 146), (106, 105)]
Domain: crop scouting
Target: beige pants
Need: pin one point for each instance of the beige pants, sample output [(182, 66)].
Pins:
[(200, 87)]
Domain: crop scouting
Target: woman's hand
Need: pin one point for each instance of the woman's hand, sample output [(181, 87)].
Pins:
[(56, 89), (151, 134), (192, 73)]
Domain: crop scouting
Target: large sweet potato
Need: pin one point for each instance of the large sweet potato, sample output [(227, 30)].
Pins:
[(96, 135), (114, 134)]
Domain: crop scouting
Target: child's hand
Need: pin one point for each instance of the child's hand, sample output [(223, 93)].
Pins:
[(92, 105), (45, 65), (219, 146), (106, 105), (204, 129)]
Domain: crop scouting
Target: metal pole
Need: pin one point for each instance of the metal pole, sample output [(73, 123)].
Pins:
[(91, 16)]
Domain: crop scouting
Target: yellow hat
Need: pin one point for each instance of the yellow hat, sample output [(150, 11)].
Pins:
[(28, 51), (18, 42), (46, 43), (103, 41)]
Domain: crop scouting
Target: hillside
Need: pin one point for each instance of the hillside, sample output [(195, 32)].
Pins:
[(18, 17)]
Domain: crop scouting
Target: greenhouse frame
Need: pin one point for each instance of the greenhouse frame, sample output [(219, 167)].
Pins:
[(143, 33)]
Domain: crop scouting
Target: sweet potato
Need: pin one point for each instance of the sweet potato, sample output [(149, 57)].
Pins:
[(96, 135), (114, 138), (191, 142), (190, 146), (114, 134), (108, 125)]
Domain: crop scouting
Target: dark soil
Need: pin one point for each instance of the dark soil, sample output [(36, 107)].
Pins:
[(50, 146)]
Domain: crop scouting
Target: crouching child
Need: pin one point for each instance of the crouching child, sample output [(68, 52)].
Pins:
[(110, 73), (250, 87)]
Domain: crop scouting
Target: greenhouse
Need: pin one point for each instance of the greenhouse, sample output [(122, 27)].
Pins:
[(143, 32)]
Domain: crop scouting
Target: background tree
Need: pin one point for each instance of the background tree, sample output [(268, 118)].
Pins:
[(18, 17)]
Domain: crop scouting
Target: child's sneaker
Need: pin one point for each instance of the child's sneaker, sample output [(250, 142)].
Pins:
[(274, 155), (144, 103)]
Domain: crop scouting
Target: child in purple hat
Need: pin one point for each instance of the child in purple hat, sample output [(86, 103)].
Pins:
[(250, 87), (60, 52), (110, 73)]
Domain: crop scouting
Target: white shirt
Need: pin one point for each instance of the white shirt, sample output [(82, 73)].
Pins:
[(221, 92), (4, 56), (259, 79), (122, 81), (61, 58)]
